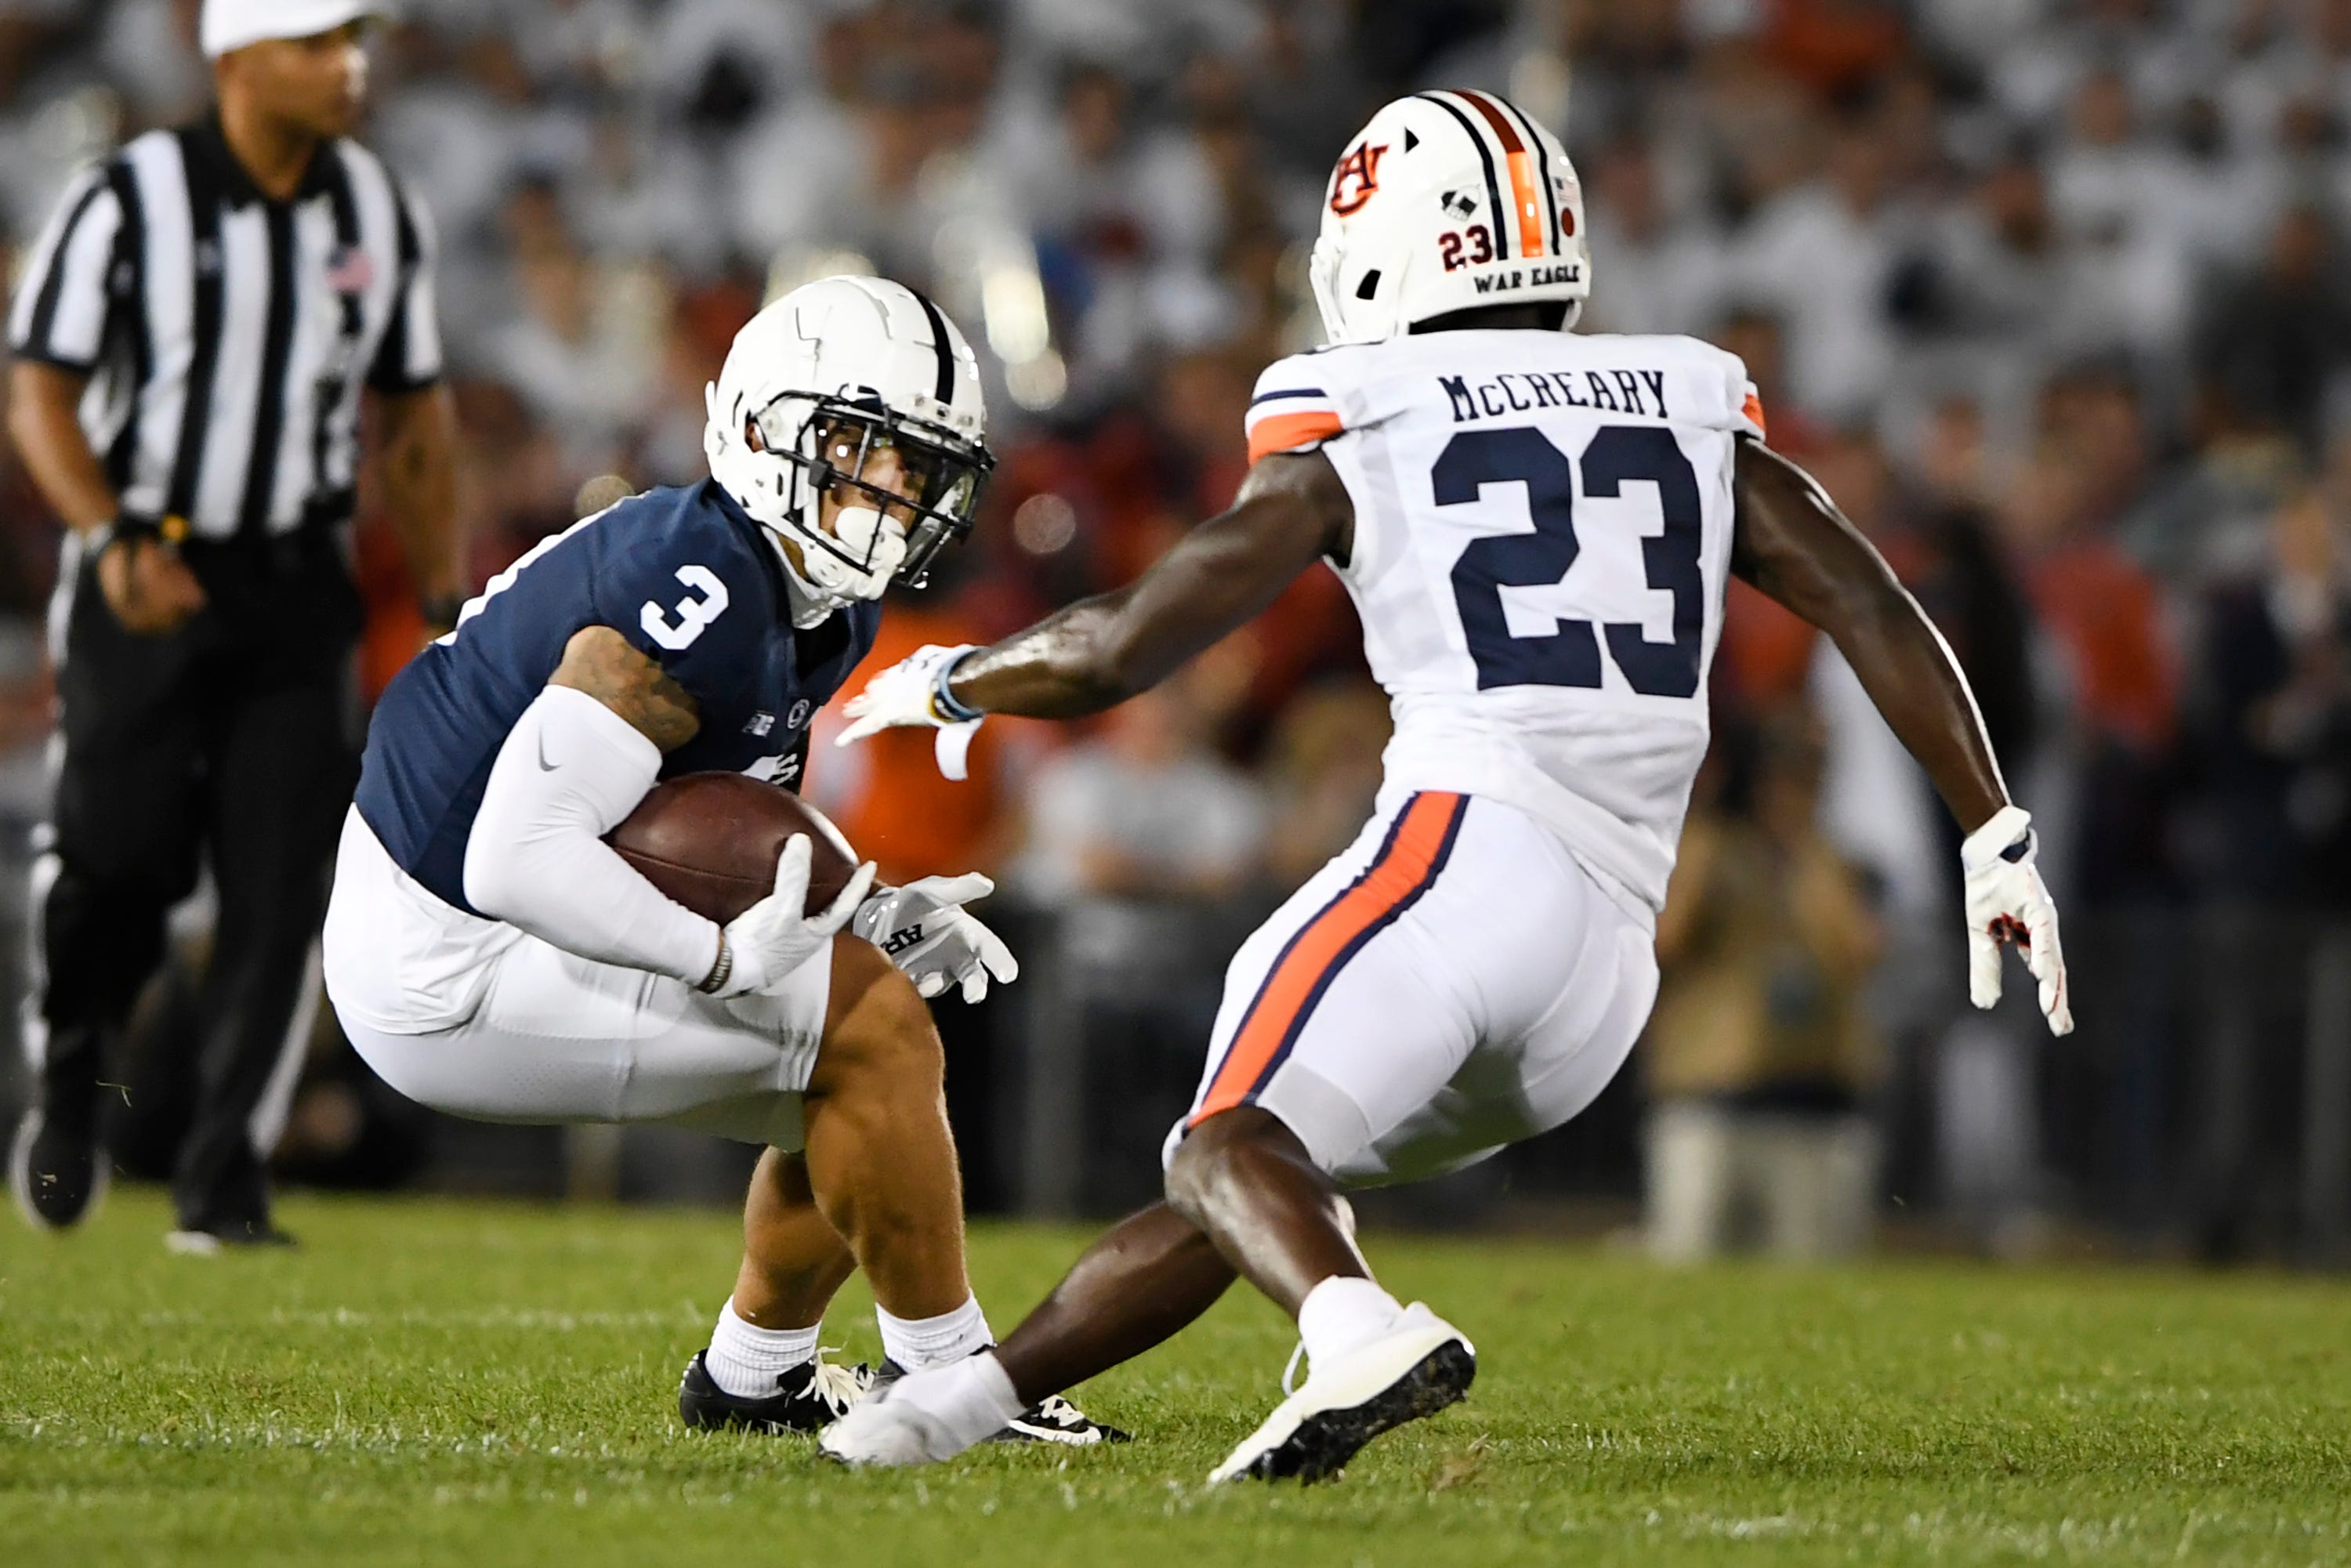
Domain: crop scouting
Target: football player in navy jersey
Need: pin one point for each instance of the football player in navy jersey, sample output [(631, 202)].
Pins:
[(490, 955)]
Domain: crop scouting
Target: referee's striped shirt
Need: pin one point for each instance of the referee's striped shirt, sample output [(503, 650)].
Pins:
[(228, 335)]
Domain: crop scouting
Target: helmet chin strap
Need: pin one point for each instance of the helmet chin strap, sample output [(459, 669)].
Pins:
[(805, 604), (813, 600), (808, 607)]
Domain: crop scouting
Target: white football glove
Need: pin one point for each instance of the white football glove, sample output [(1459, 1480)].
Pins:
[(771, 940), (913, 692), (2007, 901), (925, 929)]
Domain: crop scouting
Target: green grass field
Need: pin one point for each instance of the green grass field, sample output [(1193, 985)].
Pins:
[(435, 1381)]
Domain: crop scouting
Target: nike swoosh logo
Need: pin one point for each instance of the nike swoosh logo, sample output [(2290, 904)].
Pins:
[(544, 765)]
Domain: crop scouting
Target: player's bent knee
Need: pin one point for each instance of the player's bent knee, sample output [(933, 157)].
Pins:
[(1211, 1152), (875, 1022)]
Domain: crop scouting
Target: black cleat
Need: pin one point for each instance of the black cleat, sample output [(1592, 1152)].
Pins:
[(1054, 1420), (55, 1168), (807, 1398)]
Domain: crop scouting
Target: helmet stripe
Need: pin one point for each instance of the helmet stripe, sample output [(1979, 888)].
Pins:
[(1542, 168), (1485, 156), (1522, 172), (945, 390)]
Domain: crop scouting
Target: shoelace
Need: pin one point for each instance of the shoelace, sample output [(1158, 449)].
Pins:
[(1289, 1372), (838, 1387)]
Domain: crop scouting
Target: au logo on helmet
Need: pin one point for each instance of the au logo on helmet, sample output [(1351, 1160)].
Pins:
[(1356, 178)]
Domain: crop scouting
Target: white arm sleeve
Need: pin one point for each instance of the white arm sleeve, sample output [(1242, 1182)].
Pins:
[(569, 771)]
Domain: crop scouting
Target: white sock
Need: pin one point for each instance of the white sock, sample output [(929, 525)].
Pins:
[(745, 1359), (973, 1398), (917, 1342), (1341, 1313)]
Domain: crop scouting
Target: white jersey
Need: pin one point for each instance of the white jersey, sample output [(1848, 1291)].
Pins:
[(1542, 539)]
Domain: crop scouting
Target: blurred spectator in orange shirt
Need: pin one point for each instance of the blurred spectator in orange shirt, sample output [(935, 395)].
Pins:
[(2105, 618), (2105, 614), (2102, 609), (1834, 46)]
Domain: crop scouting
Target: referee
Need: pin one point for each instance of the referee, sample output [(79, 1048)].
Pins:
[(192, 334)]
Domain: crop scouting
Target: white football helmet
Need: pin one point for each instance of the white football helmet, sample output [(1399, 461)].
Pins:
[(815, 386), (1445, 202)]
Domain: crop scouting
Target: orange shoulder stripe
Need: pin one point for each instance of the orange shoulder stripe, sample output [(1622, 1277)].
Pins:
[(1288, 432)]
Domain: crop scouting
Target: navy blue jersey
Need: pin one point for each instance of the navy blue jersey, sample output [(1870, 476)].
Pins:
[(688, 579)]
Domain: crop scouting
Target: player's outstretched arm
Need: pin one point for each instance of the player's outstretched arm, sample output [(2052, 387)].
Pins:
[(1793, 543), (1292, 509)]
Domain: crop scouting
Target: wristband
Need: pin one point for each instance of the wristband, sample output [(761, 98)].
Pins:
[(721, 969), (119, 530), (952, 711), (2006, 835)]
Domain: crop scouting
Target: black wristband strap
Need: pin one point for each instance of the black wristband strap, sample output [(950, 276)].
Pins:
[(957, 712), (119, 530)]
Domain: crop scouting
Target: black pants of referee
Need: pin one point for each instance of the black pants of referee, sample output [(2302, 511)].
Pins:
[(231, 741)]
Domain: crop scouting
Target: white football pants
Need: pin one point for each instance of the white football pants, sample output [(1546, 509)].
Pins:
[(1454, 982)]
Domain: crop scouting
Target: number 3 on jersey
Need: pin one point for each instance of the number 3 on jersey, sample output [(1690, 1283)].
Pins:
[(1570, 655), (697, 610)]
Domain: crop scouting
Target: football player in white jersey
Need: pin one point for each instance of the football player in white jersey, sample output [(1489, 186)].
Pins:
[(1536, 529)]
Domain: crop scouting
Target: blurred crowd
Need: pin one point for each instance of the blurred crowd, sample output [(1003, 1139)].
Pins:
[(2048, 293)]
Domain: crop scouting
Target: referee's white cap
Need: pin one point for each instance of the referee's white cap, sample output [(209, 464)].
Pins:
[(232, 24)]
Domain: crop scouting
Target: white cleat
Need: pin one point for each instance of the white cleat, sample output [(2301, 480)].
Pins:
[(886, 1429), (1416, 1369), (884, 1433)]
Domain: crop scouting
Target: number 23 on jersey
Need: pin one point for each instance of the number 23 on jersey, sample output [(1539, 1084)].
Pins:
[(1569, 654)]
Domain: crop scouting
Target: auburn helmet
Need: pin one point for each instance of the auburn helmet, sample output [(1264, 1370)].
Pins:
[(1444, 201)]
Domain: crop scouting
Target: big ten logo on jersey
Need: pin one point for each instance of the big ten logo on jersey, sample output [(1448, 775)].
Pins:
[(1357, 177)]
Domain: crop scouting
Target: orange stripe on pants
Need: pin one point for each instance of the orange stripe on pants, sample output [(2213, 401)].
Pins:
[(1400, 875)]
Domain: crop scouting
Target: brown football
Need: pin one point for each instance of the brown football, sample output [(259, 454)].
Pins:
[(710, 841)]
